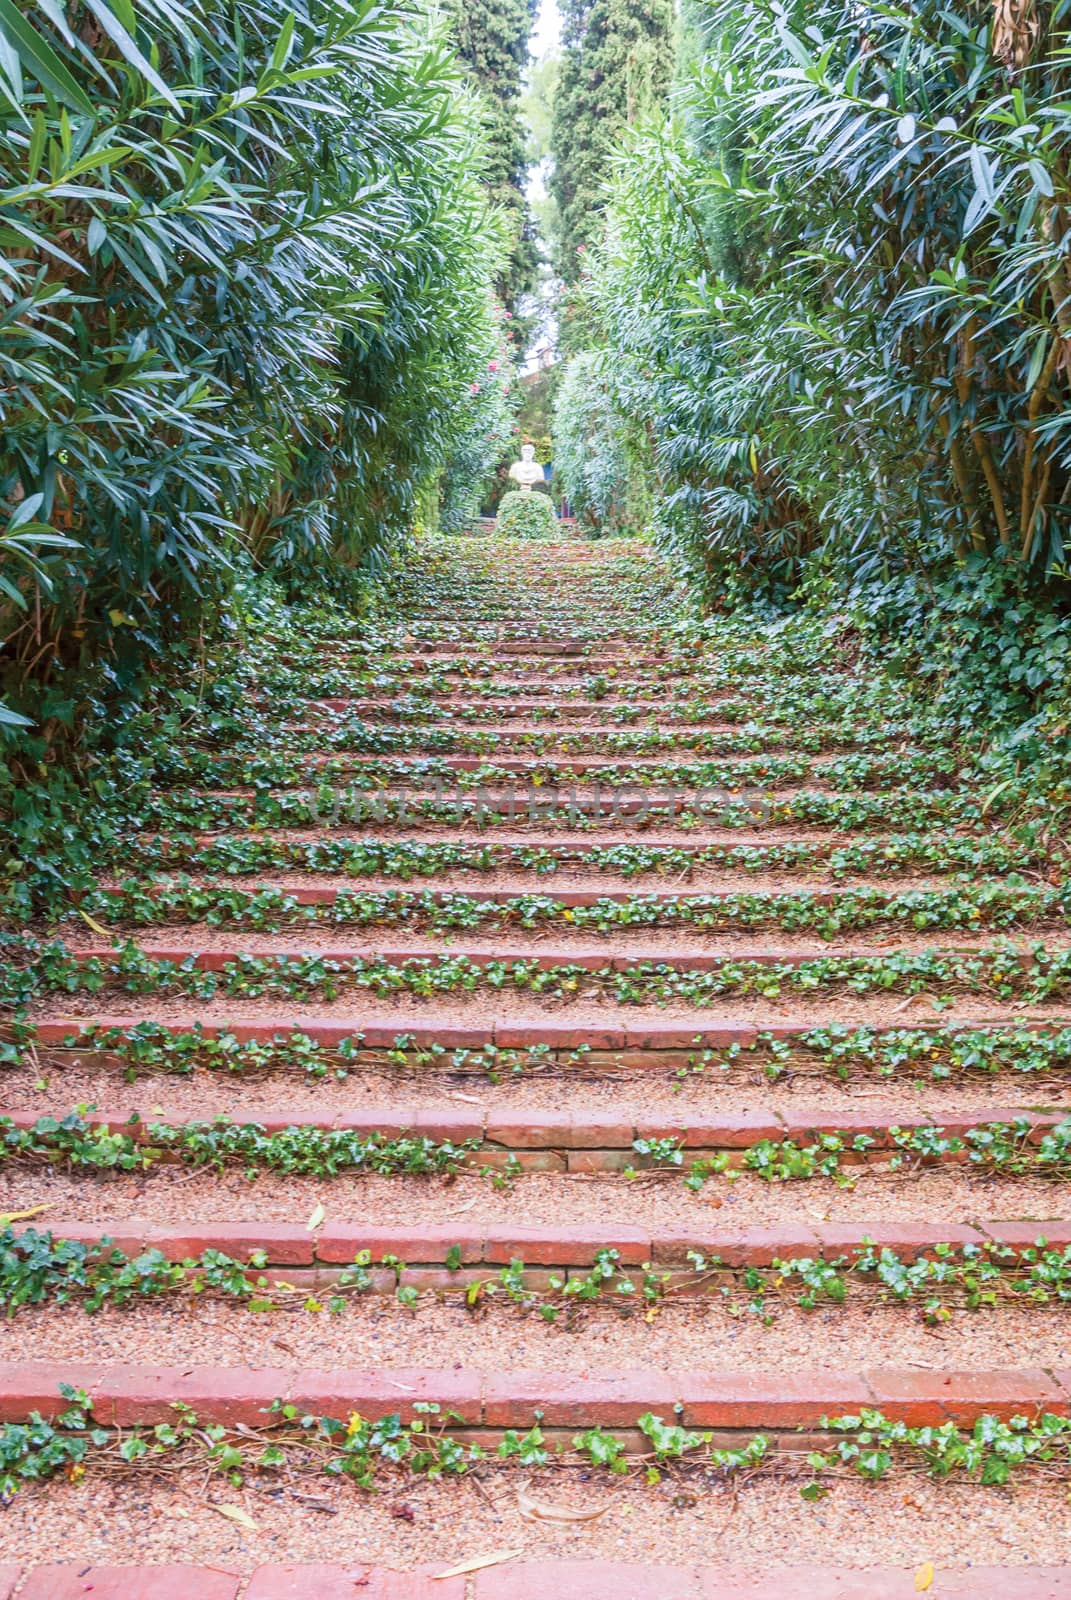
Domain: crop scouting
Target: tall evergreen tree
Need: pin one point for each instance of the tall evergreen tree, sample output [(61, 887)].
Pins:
[(492, 39), (616, 65)]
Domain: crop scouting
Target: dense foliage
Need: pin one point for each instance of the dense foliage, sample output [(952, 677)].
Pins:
[(246, 298), (597, 451), (616, 61), (492, 39), (490, 434), (838, 286)]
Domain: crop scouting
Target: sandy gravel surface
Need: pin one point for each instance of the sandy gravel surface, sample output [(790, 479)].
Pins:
[(640, 1096), (484, 1009), (467, 832), (639, 944), (681, 1340), (696, 881), (174, 1195), (903, 1521)]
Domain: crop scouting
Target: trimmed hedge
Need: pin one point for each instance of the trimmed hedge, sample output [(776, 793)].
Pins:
[(526, 516)]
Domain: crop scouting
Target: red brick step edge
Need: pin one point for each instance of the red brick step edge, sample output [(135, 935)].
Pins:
[(525, 1580), (483, 1402), (335, 1244), (581, 1141)]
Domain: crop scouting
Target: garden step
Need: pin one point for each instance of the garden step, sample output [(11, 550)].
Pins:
[(312, 890), (475, 1244), (549, 709), (583, 1141), (478, 659), (595, 804), (535, 765), (220, 948), (485, 1402), (658, 858), (651, 1037), (735, 766)]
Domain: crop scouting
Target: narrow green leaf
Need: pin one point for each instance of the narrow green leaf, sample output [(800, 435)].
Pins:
[(282, 45), (126, 43), (40, 59), (37, 145)]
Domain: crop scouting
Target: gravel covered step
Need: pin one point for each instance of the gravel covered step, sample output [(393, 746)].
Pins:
[(484, 1402), (548, 708), (581, 953)]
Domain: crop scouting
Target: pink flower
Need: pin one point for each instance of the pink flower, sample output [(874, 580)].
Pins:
[(492, 366), (475, 388)]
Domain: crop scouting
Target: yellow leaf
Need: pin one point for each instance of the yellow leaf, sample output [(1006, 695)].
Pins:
[(236, 1514), (924, 1577), (316, 1218), (8, 1217), (94, 925)]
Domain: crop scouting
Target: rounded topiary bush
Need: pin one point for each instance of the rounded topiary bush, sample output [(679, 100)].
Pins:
[(526, 516)]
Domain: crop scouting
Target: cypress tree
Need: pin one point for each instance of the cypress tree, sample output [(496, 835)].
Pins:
[(492, 39), (617, 60)]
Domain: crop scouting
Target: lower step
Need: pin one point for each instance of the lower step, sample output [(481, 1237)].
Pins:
[(513, 1579), (727, 1403)]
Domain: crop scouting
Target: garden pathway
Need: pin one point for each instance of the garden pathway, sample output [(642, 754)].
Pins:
[(712, 962)]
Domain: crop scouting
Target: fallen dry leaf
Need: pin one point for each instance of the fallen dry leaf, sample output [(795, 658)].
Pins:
[(316, 1218), (540, 1511), (8, 1217), (93, 924), (494, 1559), (924, 1576), (236, 1514)]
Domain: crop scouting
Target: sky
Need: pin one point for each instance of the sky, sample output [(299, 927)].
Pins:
[(547, 28)]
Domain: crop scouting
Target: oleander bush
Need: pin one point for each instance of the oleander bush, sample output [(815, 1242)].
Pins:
[(597, 451), (247, 279), (835, 284), (526, 516)]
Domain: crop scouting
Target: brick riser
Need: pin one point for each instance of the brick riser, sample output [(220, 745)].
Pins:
[(485, 1402), (544, 957), (524, 1580), (336, 1244), (587, 1143)]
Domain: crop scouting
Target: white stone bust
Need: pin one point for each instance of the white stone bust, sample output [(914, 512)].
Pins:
[(527, 470)]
